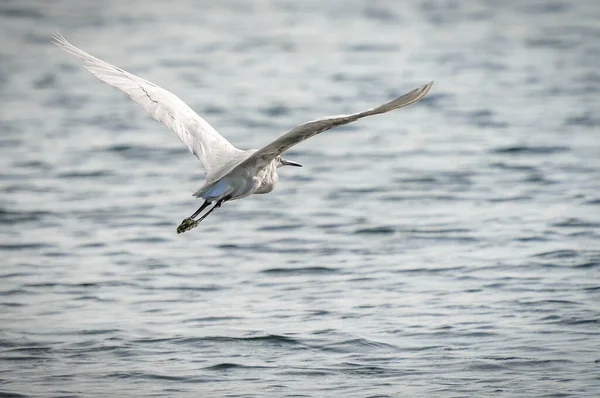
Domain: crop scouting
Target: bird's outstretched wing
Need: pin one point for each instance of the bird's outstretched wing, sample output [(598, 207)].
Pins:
[(195, 133), (312, 128)]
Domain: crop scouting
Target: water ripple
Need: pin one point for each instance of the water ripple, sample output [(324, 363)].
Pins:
[(448, 249)]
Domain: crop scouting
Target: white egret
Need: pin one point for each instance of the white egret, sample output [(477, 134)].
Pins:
[(231, 173)]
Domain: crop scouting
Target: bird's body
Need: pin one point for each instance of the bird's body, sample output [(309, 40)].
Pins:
[(241, 182), (231, 173)]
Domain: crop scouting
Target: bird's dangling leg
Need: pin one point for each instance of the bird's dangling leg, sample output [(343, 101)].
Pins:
[(216, 206), (190, 223), (204, 206)]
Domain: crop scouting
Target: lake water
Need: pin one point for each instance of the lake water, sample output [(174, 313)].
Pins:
[(449, 249)]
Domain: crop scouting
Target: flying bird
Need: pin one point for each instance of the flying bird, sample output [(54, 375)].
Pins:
[(231, 173)]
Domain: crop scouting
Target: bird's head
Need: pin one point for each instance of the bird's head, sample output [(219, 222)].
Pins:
[(283, 162)]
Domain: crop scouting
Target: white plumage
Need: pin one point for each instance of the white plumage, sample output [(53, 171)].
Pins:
[(231, 173)]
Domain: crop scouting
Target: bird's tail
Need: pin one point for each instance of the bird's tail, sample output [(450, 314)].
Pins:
[(215, 191)]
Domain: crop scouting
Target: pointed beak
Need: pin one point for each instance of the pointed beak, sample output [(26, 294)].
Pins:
[(289, 163)]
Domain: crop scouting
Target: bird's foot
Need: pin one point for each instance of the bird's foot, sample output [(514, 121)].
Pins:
[(186, 225)]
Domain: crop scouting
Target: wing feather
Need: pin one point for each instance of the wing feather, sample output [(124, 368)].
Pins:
[(312, 128), (196, 134), (260, 158)]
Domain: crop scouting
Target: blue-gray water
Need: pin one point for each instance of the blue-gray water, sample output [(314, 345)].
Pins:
[(449, 249)]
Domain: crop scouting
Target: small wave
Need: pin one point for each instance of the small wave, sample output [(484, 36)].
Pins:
[(92, 245), (22, 358), (578, 321), (587, 265), (553, 43), (509, 199), (417, 180), (275, 110), (488, 366), (280, 246), (380, 13), (149, 376), (534, 363), (12, 305), (350, 193), (378, 48), (47, 80), (271, 339), (280, 227), (538, 303), (584, 259), (213, 110), (575, 223), (8, 143), (86, 174), (154, 340), (382, 230), (516, 167), (591, 288), (430, 270), (355, 369), (584, 265), (22, 12), (306, 372), (360, 345), (485, 118), (204, 288), (30, 351), (119, 148), (550, 318), (418, 198), (558, 254), (94, 298), (64, 285), (16, 217), (8, 394), (538, 178), (229, 366), (96, 332), (436, 230), (131, 151), (33, 164), (545, 7), (148, 239), (209, 319), (585, 120), (301, 271), (530, 150), (22, 187), (24, 246)]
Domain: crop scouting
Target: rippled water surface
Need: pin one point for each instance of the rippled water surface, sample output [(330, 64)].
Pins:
[(447, 249)]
